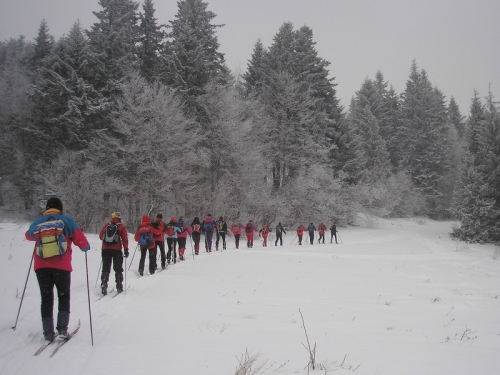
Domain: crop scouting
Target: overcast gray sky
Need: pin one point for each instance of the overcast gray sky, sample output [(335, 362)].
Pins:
[(456, 41)]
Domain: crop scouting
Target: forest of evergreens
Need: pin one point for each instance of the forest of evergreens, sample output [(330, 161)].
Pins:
[(131, 114)]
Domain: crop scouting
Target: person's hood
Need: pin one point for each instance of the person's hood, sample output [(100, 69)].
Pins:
[(145, 220)]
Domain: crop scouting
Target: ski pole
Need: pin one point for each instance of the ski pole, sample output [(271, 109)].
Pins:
[(293, 240), (24, 290), (339, 238), (125, 278), (133, 256), (98, 272), (88, 296)]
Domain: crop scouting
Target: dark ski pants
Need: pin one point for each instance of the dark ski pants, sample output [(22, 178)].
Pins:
[(280, 238), (152, 260), (249, 239), (115, 257), (161, 245), (237, 240), (47, 279), (208, 241), (172, 246), (196, 239), (321, 237), (219, 236), (334, 234)]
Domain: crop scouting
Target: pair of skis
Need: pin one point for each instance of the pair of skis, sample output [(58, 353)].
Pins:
[(60, 343)]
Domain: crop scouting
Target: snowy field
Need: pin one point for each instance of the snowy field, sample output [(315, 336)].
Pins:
[(396, 297)]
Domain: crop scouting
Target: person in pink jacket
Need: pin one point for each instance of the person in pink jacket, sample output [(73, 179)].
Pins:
[(55, 231), (236, 231)]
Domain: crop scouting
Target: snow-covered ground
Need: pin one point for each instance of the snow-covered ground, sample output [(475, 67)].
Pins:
[(396, 298)]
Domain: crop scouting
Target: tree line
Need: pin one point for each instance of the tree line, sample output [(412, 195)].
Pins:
[(132, 114)]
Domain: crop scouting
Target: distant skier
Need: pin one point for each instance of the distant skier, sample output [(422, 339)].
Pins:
[(279, 234), (300, 232), (221, 233), (264, 233), (208, 227), (160, 239), (196, 234), (311, 229), (236, 231), (249, 229), (334, 231), (145, 240), (185, 230), (321, 230), (172, 229)]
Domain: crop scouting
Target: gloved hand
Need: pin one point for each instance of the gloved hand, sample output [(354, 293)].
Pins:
[(125, 253), (87, 248)]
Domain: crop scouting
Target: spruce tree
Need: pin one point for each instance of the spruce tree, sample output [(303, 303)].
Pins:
[(66, 106), (113, 38), (423, 132), (388, 116), (473, 126), (255, 76), (151, 39), (370, 160), (43, 45), (456, 118), (192, 54)]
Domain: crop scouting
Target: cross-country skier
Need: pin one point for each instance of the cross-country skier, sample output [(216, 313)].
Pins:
[(300, 232), (334, 231), (196, 234), (114, 236), (54, 269), (321, 231), (279, 234)]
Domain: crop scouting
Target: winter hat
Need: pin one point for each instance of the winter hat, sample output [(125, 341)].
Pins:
[(145, 220), (54, 202), (116, 214), (173, 218), (220, 218), (159, 216)]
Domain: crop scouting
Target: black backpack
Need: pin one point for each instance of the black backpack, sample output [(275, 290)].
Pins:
[(111, 236)]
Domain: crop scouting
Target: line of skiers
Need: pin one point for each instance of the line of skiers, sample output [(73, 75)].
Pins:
[(321, 231), (151, 236)]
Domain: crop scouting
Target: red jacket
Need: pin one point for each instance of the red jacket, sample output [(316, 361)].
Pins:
[(264, 232), (72, 233), (146, 223), (300, 230), (253, 229), (122, 236), (321, 228), (161, 228)]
